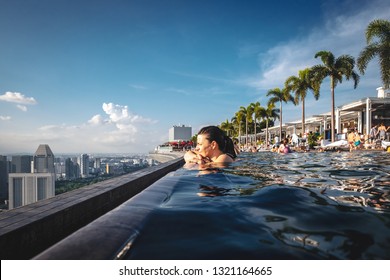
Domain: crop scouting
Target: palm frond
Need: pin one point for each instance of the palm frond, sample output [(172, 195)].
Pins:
[(366, 55)]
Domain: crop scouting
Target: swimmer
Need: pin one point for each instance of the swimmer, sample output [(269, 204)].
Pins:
[(212, 146), (284, 148)]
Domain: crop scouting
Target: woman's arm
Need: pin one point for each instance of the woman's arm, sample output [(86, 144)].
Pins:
[(194, 157), (190, 156)]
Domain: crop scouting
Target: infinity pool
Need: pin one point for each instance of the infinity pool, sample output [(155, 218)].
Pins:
[(271, 206)]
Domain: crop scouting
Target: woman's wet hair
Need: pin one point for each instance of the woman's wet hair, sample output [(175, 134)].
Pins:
[(225, 143)]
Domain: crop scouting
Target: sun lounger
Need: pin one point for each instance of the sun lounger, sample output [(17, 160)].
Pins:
[(385, 144), (341, 145)]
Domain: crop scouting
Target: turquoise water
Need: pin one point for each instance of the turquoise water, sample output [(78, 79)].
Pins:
[(272, 206)]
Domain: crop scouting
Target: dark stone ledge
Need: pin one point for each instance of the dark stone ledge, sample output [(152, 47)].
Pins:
[(111, 236)]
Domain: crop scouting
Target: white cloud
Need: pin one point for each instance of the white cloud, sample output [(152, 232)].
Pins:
[(138, 87), (120, 114), (5, 118), (96, 120), (16, 97), (341, 34), (22, 107), (116, 112), (179, 91), (116, 130)]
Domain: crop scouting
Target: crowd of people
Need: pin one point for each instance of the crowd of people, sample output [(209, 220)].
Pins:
[(357, 141), (378, 132)]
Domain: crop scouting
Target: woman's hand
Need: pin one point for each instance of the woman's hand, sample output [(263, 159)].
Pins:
[(193, 157), (202, 160)]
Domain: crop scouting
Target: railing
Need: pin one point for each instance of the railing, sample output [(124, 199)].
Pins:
[(26, 231)]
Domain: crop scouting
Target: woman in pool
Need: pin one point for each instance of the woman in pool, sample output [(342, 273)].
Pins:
[(212, 146), (284, 147)]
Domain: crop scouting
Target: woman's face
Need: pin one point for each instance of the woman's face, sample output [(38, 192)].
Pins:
[(203, 146)]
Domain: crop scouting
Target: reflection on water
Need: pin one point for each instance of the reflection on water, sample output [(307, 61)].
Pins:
[(272, 206), (362, 179)]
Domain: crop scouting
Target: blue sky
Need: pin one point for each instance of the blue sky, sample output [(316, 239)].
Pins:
[(114, 76)]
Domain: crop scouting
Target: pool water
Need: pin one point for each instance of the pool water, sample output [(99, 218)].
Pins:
[(271, 206)]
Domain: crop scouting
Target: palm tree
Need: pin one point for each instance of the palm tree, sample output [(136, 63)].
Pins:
[(378, 29), (278, 95), (269, 113), (335, 68), (300, 86), (227, 126), (256, 111), (237, 120), (247, 113)]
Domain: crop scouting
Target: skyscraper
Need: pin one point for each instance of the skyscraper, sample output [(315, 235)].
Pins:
[(3, 179), (26, 188), (21, 164), (72, 169), (44, 160), (84, 165)]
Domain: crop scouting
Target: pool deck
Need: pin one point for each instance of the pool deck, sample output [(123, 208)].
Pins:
[(165, 157)]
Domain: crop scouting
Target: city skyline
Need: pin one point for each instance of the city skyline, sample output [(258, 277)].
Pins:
[(114, 76)]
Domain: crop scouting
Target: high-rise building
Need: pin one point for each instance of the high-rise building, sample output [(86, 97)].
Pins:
[(21, 164), (3, 179), (43, 160), (109, 169), (72, 169), (97, 163), (26, 188), (84, 165), (60, 170), (180, 133)]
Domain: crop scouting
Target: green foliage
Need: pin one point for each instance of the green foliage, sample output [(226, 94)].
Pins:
[(312, 139), (378, 45), (63, 186)]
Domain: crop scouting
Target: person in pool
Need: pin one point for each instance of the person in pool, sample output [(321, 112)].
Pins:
[(284, 147), (212, 146)]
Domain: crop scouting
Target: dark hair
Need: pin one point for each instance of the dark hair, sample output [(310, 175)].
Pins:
[(224, 142)]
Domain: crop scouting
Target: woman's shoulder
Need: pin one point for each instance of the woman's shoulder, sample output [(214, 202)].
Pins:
[(224, 158)]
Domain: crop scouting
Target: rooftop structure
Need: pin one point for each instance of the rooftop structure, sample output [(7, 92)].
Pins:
[(43, 160), (44, 151), (180, 133)]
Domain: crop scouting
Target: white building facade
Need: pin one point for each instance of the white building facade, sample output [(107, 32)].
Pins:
[(29, 187), (26, 188), (180, 133)]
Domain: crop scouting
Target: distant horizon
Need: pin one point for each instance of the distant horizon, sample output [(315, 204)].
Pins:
[(56, 155), (113, 77)]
